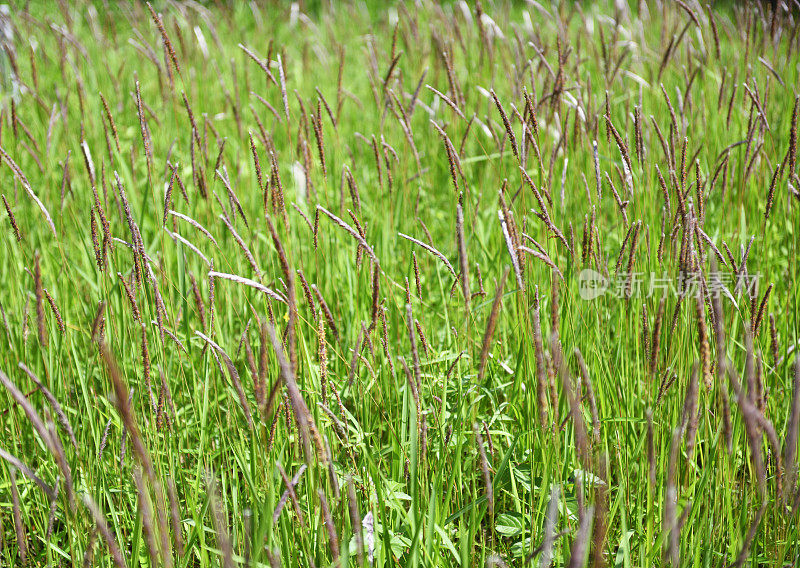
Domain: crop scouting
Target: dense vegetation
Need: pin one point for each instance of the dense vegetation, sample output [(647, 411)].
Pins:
[(432, 285)]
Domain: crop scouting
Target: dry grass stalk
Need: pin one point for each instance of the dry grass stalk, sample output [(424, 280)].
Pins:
[(555, 312), (632, 257), (793, 135), (11, 219), (354, 233), (265, 401), (305, 422), (431, 250), (104, 530), (194, 224), (26, 184), (37, 280), (176, 237), (541, 364), (137, 316), (284, 97), (376, 288), (385, 340), (773, 340), (645, 335), (512, 248), (560, 367), (580, 546), (656, 341), (322, 353), (362, 232), (145, 508), (492, 323), (704, 346), (57, 408), (25, 327), (550, 522), (690, 419), (247, 282), (53, 444), (289, 484), (771, 193), (671, 548), (288, 274), (136, 241), (462, 255), (651, 452), (417, 281), (664, 191), (13, 461), (719, 334), (110, 119), (161, 309), (487, 476), (52, 517), (756, 101), (447, 101), (744, 554), (543, 257), (234, 376), (759, 317), (353, 363), (327, 108), (104, 439), (286, 494), (122, 402), (414, 352), (198, 300), (587, 380), (242, 246), (264, 65), (89, 163), (195, 131), (355, 196), (327, 311), (623, 148), (232, 198), (542, 205), (219, 519), (621, 205), (754, 423), (712, 246), (355, 520), (55, 310), (316, 122), (163, 420), (506, 123), (330, 527), (145, 351), (752, 427), (164, 37), (631, 230), (792, 432), (144, 130), (19, 527), (426, 348)]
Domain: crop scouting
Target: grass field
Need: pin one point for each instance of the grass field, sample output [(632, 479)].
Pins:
[(337, 284)]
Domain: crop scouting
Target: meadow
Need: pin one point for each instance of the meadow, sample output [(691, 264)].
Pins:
[(421, 284)]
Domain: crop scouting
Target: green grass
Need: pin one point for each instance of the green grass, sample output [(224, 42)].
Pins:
[(405, 451)]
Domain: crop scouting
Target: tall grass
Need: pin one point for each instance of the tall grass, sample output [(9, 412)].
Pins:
[(198, 371)]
